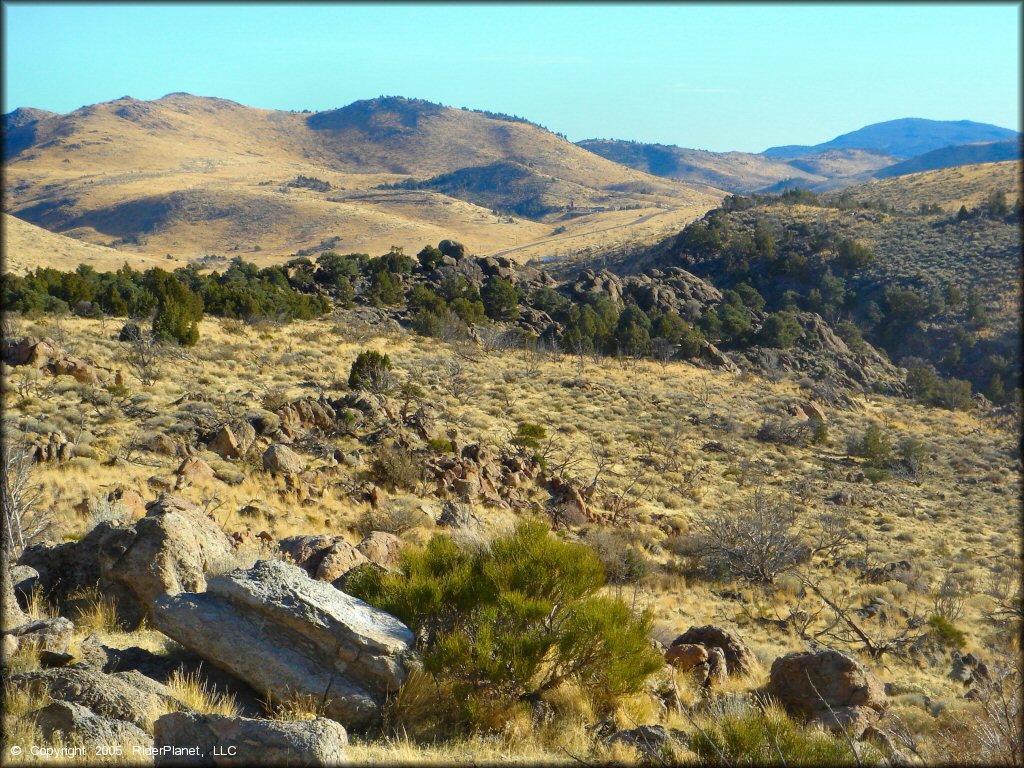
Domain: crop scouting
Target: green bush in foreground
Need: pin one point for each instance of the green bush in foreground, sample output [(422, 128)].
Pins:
[(507, 624)]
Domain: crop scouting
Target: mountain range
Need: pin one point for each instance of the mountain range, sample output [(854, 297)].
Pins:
[(881, 150), (185, 176)]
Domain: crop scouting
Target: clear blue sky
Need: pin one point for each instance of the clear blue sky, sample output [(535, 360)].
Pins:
[(713, 77)]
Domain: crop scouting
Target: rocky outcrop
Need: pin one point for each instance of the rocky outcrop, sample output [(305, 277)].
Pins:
[(739, 659), (322, 557), (241, 741), (54, 447), (299, 635), (47, 635), (307, 415), (381, 548), (48, 356), (828, 687), (281, 460), (172, 549), (232, 441), (127, 696), (75, 721)]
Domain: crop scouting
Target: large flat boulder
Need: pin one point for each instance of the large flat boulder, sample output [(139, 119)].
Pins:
[(227, 741), (283, 632)]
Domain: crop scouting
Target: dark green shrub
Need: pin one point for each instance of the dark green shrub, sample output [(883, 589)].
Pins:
[(507, 624), (528, 437), (178, 313), (854, 255), (430, 257), (370, 370), (780, 330), (500, 299), (875, 446), (947, 634)]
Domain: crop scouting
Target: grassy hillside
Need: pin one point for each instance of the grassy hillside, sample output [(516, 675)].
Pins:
[(933, 283), (641, 432), (189, 176)]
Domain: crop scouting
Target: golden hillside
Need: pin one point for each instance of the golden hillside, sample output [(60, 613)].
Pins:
[(189, 175)]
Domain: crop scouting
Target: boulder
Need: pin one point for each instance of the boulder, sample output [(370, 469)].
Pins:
[(232, 441), (78, 722), (718, 668), (308, 551), (686, 656), (24, 578), (306, 415), (54, 447), (78, 369), (318, 742), (299, 635), (281, 460), (193, 470), (127, 696), (172, 549), (11, 614), (829, 687), (381, 548), (341, 558), (738, 657), (28, 351), (52, 635)]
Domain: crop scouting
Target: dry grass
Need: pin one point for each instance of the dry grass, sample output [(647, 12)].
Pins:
[(962, 516), (196, 693)]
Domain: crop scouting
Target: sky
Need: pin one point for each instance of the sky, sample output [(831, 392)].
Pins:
[(717, 77)]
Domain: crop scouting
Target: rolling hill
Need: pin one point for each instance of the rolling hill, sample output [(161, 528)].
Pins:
[(190, 175)]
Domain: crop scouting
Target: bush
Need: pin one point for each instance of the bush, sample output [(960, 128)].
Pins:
[(178, 313), (395, 467), (747, 736), (503, 626), (500, 299), (947, 634), (371, 371), (875, 446), (528, 436), (781, 330), (854, 255)]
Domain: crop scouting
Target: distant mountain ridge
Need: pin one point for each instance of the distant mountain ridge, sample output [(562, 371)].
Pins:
[(950, 157), (881, 150), (903, 138)]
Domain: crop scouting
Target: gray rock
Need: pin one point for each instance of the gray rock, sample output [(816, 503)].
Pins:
[(127, 696), (172, 549), (25, 579), (74, 720), (298, 635), (828, 686), (281, 460), (52, 635), (318, 742)]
